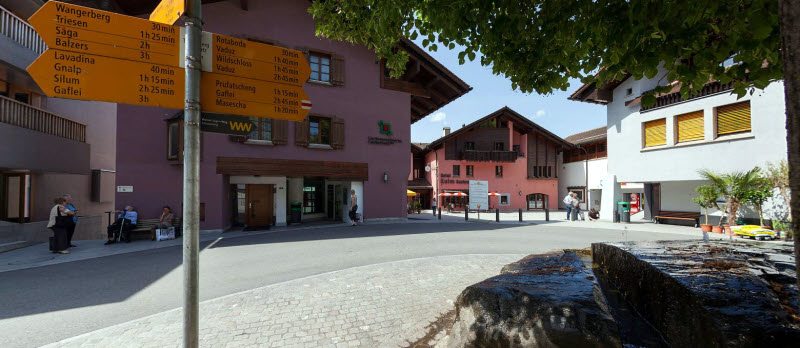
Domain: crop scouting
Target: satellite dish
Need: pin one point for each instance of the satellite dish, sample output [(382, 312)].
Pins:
[(427, 169)]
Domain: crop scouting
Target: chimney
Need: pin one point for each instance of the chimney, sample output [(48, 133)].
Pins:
[(445, 131)]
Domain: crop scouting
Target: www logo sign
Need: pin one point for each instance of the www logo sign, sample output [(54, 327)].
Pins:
[(240, 126)]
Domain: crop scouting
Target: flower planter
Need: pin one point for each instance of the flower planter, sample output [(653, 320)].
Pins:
[(705, 227), (716, 229)]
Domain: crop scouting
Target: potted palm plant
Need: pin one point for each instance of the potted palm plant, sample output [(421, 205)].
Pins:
[(706, 198), (734, 188)]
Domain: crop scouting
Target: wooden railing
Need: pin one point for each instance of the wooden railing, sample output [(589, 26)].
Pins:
[(20, 31), (23, 115), (489, 156)]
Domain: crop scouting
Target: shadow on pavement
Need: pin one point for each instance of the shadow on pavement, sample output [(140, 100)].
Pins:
[(360, 231)]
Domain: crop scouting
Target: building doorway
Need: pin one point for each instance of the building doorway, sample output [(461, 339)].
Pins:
[(336, 201), (260, 205), (15, 197)]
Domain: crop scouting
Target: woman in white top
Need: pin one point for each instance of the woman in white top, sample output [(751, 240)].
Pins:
[(60, 218)]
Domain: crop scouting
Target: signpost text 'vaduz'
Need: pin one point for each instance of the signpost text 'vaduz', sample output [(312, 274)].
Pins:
[(104, 56)]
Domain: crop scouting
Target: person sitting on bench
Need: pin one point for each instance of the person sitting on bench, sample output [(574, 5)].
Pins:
[(164, 222), (121, 228)]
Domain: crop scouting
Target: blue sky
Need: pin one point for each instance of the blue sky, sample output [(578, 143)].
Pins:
[(490, 92)]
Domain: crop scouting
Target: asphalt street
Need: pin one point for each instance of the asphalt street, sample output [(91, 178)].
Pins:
[(46, 304)]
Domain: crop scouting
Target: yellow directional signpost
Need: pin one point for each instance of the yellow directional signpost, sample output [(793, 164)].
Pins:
[(104, 56), (82, 76), (168, 11)]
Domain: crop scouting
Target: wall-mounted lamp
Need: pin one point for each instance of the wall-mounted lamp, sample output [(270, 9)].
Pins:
[(385, 177)]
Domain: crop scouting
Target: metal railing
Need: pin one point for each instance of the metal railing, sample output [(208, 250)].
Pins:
[(489, 156), (20, 31), (23, 115)]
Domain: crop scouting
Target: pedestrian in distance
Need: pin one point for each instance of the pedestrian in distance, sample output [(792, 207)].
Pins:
[(353, 208), (568, 203), (576, 208), (59, 222), (71, 207)]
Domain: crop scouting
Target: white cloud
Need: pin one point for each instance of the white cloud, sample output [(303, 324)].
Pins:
[(540, 113), (438, 117)]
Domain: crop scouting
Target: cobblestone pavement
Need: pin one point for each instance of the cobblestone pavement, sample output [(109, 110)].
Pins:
[(382, 305)]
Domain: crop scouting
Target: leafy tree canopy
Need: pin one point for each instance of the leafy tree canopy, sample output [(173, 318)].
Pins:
[(540, 44)]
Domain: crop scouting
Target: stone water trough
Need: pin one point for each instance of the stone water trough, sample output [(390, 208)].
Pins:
[(644, 294)]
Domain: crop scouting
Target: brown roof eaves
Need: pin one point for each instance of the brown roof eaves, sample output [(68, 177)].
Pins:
[(587, 136)]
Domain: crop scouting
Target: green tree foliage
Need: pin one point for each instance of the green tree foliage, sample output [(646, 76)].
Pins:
[(540, 44), (758, 194), (706, 198)]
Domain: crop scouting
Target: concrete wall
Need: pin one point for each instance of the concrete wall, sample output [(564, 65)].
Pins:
[(740, 152), (36, 151), (573, 174), (360, 102)]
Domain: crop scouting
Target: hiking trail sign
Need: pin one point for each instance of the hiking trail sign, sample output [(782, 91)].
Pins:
[(104, 56)]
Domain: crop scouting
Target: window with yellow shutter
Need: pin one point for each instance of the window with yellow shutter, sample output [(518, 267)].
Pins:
[(655, 132), (733, 118), (689, 127)]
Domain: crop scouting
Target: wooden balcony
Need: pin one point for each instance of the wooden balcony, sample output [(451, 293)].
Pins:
[(489, 156), (20, 32), (23, 115)]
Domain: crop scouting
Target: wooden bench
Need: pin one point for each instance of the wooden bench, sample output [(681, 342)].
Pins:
[(144, 228), (678, 215)]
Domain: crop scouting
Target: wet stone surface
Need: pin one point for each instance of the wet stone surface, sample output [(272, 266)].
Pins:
[(540, 301), (707, 294)]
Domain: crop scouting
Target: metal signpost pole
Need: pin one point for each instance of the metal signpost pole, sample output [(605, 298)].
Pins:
[(191, 175)]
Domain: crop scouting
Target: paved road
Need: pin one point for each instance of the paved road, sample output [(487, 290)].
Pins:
[(47, 304)]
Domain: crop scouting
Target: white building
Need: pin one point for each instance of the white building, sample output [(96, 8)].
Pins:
[(590, 156), (665, 145)]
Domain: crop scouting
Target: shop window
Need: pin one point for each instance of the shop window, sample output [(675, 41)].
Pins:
[(689, 127), (313, 196), (319, 130), (499, 146), (320, 67), (655, 132), (174, 140), (504, 199), (456, 170), (536, 201), (498, 171), (262, 129), (733, 118), (469, 145), (470, 171)]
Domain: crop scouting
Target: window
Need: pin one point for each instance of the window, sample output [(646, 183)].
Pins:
[(628, 92), (320, 66), (319, 130), (655, 133), (174, 140), (313, 196), (469, 145), (504, 199), (456, 170), (733, 118), (517, 149), (499, 146), (498, 171), (262, 130), (689, 127), (542, 171), (470, 171), (536, 201)]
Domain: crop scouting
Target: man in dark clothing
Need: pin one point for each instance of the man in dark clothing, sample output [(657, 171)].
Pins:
[(121, 228)]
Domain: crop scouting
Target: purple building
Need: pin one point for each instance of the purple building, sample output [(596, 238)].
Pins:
[(355, 138)]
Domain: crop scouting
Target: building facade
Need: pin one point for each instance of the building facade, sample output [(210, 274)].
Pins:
[(664, 146), (518, 159), (48, 146), (584, 167), (356, 137)]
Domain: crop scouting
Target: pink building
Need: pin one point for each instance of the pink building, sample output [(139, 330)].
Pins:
[(518, 158)]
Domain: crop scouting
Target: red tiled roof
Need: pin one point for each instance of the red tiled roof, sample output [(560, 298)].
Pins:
[(587, 136)]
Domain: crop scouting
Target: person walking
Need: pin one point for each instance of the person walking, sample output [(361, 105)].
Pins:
[(353, 207), (59, 222), (568, 203), (71, 228)]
